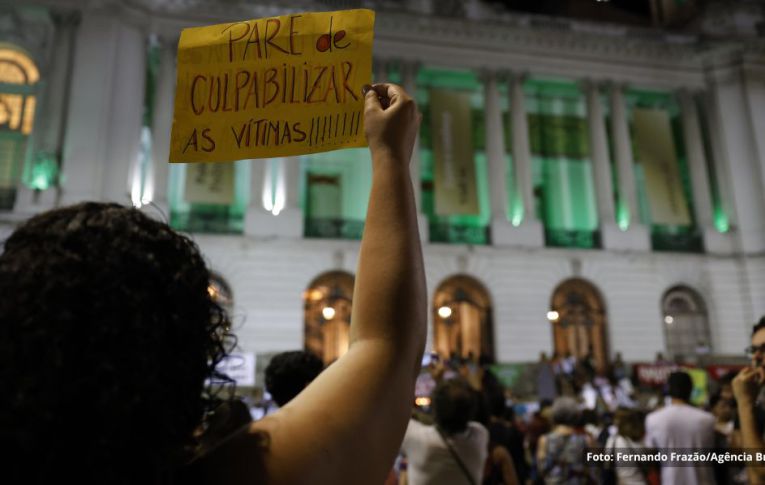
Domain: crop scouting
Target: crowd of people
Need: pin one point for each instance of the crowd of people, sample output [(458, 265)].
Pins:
[(109, 342), (582, 408)]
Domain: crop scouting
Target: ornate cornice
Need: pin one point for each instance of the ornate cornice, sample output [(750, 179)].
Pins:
[(554, 38), (490, 38)]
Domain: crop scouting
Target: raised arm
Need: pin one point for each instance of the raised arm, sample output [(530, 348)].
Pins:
[(347, 425), (745, 389)]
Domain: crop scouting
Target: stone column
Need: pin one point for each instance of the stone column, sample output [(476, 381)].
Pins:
[(379, 70), (495, 155), (125, 117), (636, 235), (611, 236), (697, 162), (734, 103), (530, 231), (599, 152), (162, 123), (289, 222), (409, 82), (48, 134), (87, 119)]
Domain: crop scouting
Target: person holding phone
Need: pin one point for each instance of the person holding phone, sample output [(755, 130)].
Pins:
[(749, 391)]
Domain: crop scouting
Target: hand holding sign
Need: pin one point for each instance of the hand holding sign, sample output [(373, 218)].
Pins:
[(272, 87), (392, 121)]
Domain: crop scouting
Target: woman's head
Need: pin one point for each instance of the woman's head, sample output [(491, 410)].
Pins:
[(454, 404), (107, 337), (630, 423), (565, 411)]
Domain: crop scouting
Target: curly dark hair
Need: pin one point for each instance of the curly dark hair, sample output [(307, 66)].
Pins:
[(108, 345), (289, 372)]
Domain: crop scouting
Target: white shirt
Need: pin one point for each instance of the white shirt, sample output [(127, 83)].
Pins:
[(683, 427), (625, 474), (431, 463)]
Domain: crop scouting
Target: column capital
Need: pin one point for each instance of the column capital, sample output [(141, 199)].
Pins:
[(486, 74), (409, 67), (684, 92), (166, 41), (519, 76), (615, 86), (597, 84), (66, 17)]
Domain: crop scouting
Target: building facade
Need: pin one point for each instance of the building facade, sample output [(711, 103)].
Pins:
[(612, 175)]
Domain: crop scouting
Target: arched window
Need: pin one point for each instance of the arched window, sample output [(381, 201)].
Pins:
[(462, 318), (327, 310), (220, 291), (18, 79), (686, 327), (578, 317)]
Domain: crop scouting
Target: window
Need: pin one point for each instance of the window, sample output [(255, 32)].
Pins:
[(686, 327), (578, 317), (462, 319), (209, 197), (335, 193), (457, 99), (220, 291), (327, 315), (564, 190), (18, 80), (662, 175)]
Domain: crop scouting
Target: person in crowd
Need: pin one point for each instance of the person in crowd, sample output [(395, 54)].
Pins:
[(748, 389), (680, 425), (724, 411), (288, 373), (628, 438), (546, 387), (539, 425), (454, 449), (619, 368), (504, 432), (561, 452), (661, 360), (725, 385), (588, 423), (109, 342)]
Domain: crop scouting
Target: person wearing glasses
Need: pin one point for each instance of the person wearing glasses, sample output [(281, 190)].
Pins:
[(748, 387)]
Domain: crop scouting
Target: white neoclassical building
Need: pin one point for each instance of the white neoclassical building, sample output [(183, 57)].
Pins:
[(613, 161)]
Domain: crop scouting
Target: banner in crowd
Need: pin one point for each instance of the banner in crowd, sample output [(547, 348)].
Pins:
[(719, 371), (239, 366), (454, 166), (272, 87), (656, 154), (656, 375), (653, 375), (700, 394), (210, 183)]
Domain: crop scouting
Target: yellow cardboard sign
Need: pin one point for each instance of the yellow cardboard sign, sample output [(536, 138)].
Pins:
[(272, 87)]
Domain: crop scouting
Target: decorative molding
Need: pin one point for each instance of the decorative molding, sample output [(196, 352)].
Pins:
[(31, 29), (490, 36)]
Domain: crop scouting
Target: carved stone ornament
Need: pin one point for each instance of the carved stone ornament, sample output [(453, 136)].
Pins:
[(30, 29)]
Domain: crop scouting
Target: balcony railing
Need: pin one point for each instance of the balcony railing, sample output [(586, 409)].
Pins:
[(458, 234), (333, 228), (568, 238), (680, 239)]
